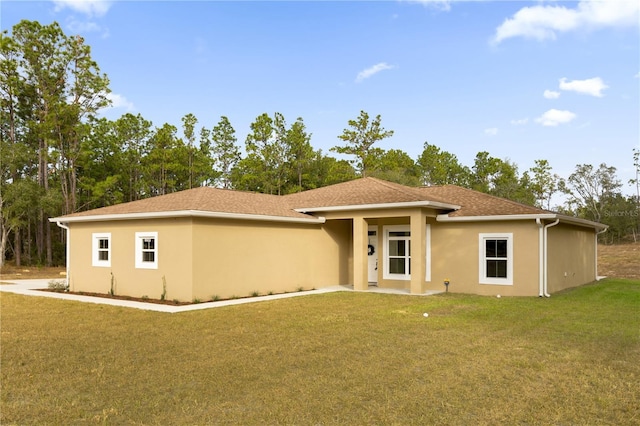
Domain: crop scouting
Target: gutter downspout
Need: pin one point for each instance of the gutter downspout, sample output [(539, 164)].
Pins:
[(68, 248), (541, 258), (546, 293), (596, 250)]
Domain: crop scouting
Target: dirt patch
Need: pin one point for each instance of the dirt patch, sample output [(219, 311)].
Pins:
[(619, 260), (115, 296), (11, 272)]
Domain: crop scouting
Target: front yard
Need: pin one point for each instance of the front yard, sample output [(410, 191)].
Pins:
[(340, 358)]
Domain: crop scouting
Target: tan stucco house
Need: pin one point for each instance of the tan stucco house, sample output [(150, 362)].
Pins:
[(207, 242)]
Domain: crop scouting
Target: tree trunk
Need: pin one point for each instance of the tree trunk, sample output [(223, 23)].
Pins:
[(17, 244), (47, 228), (40, 236), (4, 236), (28, 248)]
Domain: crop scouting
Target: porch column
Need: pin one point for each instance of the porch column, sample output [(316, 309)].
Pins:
[(418, 251), (360, 260)]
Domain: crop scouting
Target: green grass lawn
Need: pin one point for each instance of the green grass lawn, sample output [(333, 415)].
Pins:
[(340, 358)]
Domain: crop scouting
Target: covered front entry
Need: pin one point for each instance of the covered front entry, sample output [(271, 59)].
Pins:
[(375, 255)]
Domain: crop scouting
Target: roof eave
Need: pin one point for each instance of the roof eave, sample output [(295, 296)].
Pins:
[(377, 206), (493, 218), (187, 213)]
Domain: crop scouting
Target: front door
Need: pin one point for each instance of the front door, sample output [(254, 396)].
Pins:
[(372, 251)]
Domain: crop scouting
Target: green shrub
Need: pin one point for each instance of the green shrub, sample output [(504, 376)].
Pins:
[(163, 296), (58, 285), (112, 290)]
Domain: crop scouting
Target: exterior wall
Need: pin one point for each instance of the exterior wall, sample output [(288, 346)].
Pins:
[(174, 259), (455, 257), (238, 258), (571, 257), (201, 258)]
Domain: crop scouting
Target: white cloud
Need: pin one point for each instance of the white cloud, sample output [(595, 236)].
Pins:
[(88, 7), (364, 74), (550, 94), (591, 86), (438, 4), (544, 22), (491, 131), (520, 122), (637, 75), (554, 117), (80, 27), (119, 101)]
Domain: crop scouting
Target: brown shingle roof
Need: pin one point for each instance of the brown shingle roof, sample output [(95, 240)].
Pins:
[(474, 203), (365, 191), (204, 199), (359, 192)]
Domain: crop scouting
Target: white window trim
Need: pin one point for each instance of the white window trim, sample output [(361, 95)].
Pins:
[(95, 249), (385, 267), (139, 263), (427, 273), (483, 279)]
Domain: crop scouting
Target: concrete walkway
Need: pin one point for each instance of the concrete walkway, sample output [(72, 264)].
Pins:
[(34, 287)]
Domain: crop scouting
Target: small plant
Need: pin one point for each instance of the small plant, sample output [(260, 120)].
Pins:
[(270, 293), (233, 296), (112, 290), (176, 301), (145, 297), (163, 296), (59, 285), (255, 293), (196, 300), (300, 288), (215, 298)]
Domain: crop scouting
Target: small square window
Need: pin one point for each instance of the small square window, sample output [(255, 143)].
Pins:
[(101, 249), (147, 250), (496, 259)]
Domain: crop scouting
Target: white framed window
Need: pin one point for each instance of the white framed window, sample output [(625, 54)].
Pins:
[(496, 258), (147, 250), (397, 253), (101, 249)]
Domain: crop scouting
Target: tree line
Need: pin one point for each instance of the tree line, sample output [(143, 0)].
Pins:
[(59, 156)]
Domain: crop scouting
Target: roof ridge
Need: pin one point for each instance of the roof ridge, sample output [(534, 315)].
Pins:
[(408, 190), (501, 198)]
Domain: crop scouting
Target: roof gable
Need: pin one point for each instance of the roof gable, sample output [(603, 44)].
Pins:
[(359, 192)]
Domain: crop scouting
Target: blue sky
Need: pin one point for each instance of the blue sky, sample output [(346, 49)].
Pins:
[(522, 80)]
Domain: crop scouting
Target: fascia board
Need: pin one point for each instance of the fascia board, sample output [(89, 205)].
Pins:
[(493, 218), (187, 213), (431, 204), (582, 222)]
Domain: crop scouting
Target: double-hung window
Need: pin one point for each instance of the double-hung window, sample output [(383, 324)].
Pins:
[(397, 255), (101, 249), (147, 250), (496, 259)]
